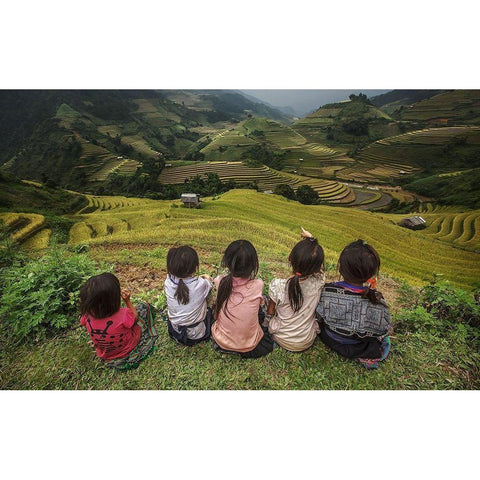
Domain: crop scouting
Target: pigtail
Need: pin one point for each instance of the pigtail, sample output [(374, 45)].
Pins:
[(182, 294), (373, 295), (224, 291), (295, 295), (306, 258)]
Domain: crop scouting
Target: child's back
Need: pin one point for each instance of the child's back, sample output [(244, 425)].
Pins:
[(355, 317), (237, 307), (122, 337), (238, 328), (189, 319), (293, 301), (295, 331), (193, 313), (114, 336)]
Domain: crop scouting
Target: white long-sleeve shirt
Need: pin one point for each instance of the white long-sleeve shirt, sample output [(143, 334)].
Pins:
[(194, 311)]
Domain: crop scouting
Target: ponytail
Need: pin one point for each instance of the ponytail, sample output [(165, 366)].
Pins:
[(182, 294), (306, 258), (295, 295), (224, 291), (373, 295)]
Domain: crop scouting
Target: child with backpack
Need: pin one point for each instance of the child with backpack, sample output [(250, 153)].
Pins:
[(355, 317), (189, 319), (293, 324), (238, 316), (122, 336)]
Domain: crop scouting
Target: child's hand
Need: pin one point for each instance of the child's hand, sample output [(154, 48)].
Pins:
[(306, 234), (125, 295), (207, 277)]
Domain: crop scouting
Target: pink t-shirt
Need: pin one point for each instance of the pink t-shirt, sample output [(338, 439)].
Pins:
[(115, 336), (240, 331)]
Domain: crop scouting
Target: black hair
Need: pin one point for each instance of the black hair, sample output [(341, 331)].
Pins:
[(182, 262), (358, 262), (241, 259), (100, 296), (306, 258)]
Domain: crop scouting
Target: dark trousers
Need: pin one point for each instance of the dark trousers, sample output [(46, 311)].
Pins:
[(369, 347), (181, 336)]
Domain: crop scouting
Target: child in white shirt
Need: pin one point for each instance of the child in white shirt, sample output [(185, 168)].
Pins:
[(189, 318)]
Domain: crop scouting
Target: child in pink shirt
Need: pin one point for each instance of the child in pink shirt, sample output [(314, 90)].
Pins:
[(122, 337), (237, 309)]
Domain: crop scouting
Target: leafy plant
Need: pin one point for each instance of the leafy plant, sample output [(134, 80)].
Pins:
[(450, 304), (441, 309), (42, 295), (154, 297)]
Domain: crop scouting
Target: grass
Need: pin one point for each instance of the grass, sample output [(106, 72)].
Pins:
[(142, 232), (272, 224), (418, 360)]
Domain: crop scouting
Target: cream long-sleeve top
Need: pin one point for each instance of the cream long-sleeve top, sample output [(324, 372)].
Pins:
[(295, 331)]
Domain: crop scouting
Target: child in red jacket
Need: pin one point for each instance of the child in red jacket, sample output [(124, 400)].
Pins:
[(122, 337)]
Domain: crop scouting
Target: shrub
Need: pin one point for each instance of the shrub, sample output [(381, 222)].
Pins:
[(42, 295), (285, 190), (307, 195), (441, 309), (451, 305)]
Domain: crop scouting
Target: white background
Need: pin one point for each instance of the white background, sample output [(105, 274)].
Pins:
[(249, 44)]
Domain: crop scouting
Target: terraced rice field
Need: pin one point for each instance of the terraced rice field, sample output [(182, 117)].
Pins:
[(121, 166), (449, 106), (106, 217), (265, 177), (315, 159), (272, 224), (140, 145), (101, 203), (395, 156), (461, 228), (246, 134), (27, 229), (275, 133), (428, 207)]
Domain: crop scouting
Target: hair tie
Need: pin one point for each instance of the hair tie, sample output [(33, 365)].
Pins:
[(298, 273)]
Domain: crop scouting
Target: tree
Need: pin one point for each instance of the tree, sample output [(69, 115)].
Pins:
[(307, 195), (285, 191)]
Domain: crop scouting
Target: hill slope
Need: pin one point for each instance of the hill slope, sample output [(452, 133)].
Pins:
[(272, 224), (456, 107), (83, 135)]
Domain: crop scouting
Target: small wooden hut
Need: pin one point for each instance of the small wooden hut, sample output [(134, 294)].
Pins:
[(414, 223), (190, 200)]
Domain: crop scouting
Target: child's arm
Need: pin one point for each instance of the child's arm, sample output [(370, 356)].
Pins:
[(305, 233), (126, 298), (271, 307)]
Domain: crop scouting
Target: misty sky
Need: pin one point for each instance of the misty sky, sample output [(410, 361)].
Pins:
[(304, 101)]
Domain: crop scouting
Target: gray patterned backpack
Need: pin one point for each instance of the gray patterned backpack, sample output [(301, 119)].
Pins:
[(349, 313)]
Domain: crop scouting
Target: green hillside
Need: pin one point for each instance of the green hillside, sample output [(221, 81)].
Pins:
[(85, 135), (247, 214), (134, 236), (392, 101), (456, 188), (424, 151), (346, 124), (455, 107)]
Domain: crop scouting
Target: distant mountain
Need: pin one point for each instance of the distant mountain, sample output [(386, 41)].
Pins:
[(75, 137), (351, 123), (394, 100), (452, 107), (289, 111), (232, 101), (304, 102)]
